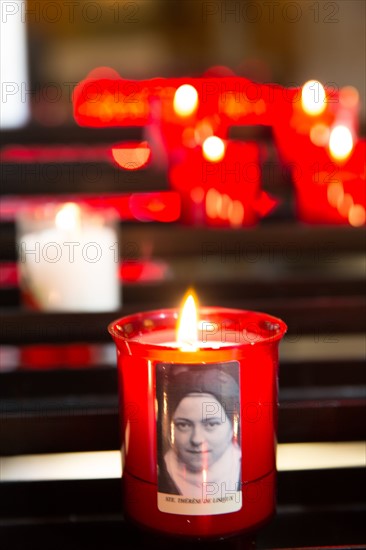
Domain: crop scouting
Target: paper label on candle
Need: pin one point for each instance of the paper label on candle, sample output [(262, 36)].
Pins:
[(198, 436)]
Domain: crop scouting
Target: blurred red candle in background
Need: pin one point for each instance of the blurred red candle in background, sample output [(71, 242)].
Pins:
[(329, 189), (220, 184)]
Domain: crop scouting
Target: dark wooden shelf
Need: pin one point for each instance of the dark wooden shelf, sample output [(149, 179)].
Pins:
[(329, 315), (87, 514)]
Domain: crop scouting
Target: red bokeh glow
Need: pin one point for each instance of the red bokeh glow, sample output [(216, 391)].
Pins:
[(159, 206), (131, 155), (185, 112)]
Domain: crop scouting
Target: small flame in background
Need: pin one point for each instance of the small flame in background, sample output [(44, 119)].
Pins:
[(187, 331), (313, 98), (185, 101), (340, 142), (68, 218), (213, 149)]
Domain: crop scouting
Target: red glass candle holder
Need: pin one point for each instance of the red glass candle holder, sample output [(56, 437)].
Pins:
[(224, 193), (198, 427), (330, 191)]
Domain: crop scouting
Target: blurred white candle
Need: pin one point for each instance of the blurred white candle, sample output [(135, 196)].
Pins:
[(72, 265)]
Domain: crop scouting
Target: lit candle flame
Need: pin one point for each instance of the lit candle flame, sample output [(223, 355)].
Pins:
[(68, 217), (313, 98), (185, 100), (340, 142), (187, 332), (213, 149)]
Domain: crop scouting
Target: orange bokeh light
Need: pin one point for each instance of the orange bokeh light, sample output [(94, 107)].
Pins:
[(131, 156)]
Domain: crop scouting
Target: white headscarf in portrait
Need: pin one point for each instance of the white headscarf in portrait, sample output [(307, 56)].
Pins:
[(224, 473)]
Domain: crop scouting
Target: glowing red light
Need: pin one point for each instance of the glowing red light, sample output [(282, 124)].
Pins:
[(265, 204), (225, 193), (160, 206), (9, 276), (222, 100), (330, 192), (111, 102), (131, 155), (143, 271), (60, 153), (56, 356)]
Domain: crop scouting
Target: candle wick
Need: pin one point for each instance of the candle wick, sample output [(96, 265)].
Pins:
[(189, 345)]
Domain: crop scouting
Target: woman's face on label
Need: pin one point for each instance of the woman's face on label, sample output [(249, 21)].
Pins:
[(201, 431)]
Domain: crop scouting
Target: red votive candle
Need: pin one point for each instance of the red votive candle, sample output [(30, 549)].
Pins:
[(330, 191), (198, 423), (222, 192)]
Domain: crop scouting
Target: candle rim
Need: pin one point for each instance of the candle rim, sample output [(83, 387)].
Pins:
[(114, 328)]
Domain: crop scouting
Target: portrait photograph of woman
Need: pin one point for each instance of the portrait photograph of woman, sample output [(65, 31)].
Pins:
[(198, 426)]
